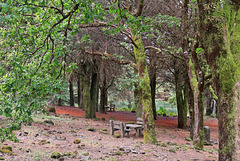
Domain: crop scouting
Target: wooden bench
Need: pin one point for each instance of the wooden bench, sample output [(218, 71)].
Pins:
[(110, 108), (117, 125)]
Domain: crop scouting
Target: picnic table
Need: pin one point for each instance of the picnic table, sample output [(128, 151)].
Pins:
[(138, 128)]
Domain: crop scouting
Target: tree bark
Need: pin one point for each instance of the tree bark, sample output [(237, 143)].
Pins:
[(221, 44), (153, 92), (191, 111), (94, 95), (89, 84), (79, 92), (137, 99), (145, 89), (71, 93), (181, 104)]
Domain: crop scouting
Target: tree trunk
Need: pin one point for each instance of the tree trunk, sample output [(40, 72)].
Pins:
[(221, 44), (191, 111), (79, 92), (94, 95), (103, 96), (59, 102), (71, 92), (181, 105), (137, 99), (89, 85), (153, 92), (144, 88), (197, 88)]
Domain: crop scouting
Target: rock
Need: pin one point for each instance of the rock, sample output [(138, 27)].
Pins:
[(117, 136), (28, 150), (118, 153), (1, 158), (44, 141), (172, 149), (62, 138), (23, 134), (36, 135), (134, 152), (7, 147), (50, 131), (49, 122), (68, 154), (72, 131), (77, 141), (61, 159), (142, 152), (89, 128), (188, 139), (5, 151), (122, 148), (128, 150), (85, 154), (59, 132), (56, 155)]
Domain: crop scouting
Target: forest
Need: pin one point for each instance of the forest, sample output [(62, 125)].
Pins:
[(132, 54)]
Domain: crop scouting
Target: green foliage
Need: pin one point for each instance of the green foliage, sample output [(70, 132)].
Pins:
[(33, 54)]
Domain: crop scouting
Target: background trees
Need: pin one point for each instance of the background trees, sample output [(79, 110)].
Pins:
[(46, 45)]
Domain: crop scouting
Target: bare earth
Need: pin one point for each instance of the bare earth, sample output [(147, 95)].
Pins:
[(40, 140)]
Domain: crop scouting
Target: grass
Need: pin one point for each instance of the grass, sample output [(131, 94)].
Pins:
[(163, 108)]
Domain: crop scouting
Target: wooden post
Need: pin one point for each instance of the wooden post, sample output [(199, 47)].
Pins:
[(206, 135), (111, 127)]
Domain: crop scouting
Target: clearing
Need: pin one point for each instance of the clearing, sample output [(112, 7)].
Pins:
[(41, 139)]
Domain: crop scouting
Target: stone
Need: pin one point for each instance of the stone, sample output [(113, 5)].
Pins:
[(172, 149), (207, 135), (77, 141), (89, 128), (5, 151), (28, 150), (188, 139), (7, 147), (122, 148), (56, 155), (62, 138), (49, 122), (117, 136)]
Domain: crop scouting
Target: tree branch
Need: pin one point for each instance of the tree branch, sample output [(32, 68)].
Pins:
[(111, 57)]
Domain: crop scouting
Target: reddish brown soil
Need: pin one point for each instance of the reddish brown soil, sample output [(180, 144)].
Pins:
[(99, 145), (165, 122)]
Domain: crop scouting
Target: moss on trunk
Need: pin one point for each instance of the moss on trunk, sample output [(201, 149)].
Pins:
[(144, 87), (220, 40)]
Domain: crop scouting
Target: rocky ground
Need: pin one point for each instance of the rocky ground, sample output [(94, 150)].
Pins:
[(68, 136)]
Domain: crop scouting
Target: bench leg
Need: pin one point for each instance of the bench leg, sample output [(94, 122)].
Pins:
[(111, 128), (122, 130), (137, 132)]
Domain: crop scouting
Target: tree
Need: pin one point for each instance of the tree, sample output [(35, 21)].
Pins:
[(219, 32)]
